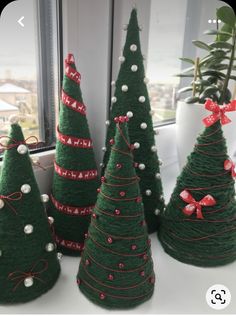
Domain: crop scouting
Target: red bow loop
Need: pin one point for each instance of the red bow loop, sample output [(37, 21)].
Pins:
[(193, 205), (218, 112), (16, 143), (230, 166), (15, 196), (20, 276)]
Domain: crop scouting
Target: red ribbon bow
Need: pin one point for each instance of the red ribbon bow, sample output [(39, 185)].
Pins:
[(15, 196), (193, 205), (218, 112), (230, 166), (17, 143), (20, 276)]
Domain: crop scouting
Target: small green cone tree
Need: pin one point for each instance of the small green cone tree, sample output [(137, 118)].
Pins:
[(29, 265), (75, 180), (116, 268), (131, 99), (198, 226)]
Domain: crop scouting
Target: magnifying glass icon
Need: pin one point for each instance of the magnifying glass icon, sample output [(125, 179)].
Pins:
[(218, 296)]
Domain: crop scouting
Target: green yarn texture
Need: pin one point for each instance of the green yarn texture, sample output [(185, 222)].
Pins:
[(116, 268), (129, 102), (210, 241), (75, 193), (21, 253)]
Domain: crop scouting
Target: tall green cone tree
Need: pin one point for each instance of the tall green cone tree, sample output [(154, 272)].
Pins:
[(29, 265), (199, 224), (131, 98), (75, 180), (116, 268)]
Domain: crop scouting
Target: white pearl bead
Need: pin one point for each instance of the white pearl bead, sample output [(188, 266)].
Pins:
[(22, 149), (146, 80), (153, 148), (151, 112), (107, 122), (124, 88), (162, 197), (157, 212), (113, 83), (49, 247), (1, 203), (51, 220), (121, 59), (160, 162), (125, 27), (133, 48), (143, 125), (25, 188), (148, 192), (129, 114), (136, 145), (134, 68), (113, 99), (0, 253), (158, 176), (59, 255), (28, 229), (142, 99), (44, 198), (101, 164), (14, 119), (104, 149), (141, 166), (156, 132), (28, 282)]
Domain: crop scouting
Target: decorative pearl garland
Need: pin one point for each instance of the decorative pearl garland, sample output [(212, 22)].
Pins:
[(152, 112), (146, 80), (107, 122), (101, 164), (134, 68), (25, 188), (113, 99), (104, 149), (133, 48), (44, 198), (157, 211), (148, 192), (59, 255), (28, 229), (1, 203), (141, 166), (129, 114), (28, 282), (142, 99), (136, 145), (160, 162), (158, 176), (153, 148), (121, 59), (51, 220), (143, 125), (22, 149), (113, 83), (49, 247)]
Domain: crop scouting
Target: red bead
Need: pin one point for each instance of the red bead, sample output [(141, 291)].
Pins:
[(122, 193), (135, 164), (111, 277), (94, 216), (145, 257), (78, 281), (98, 190), (87, 262), (122, 119), (152, 279), (143, 223), (139, 199), (126, 119), (134, 247), (109, 240), (121, 265), (111, 141), (117, 212), (149, 242), (102, 296), (118, 165), (142, 273), (116, 119), (103, 179)]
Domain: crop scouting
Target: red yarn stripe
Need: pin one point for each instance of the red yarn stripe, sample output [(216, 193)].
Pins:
[(72, 210), (74, 174), (72, 74), (122, 216), (72, 103), (74, 141), (69, 244), (116, 199)]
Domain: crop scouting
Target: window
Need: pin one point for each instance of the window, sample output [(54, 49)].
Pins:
[(29, 67)]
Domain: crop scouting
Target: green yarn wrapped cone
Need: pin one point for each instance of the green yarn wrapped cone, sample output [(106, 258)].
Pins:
[(28, 259), (116, 268), (135, 102), (206, 237), (74, 190)]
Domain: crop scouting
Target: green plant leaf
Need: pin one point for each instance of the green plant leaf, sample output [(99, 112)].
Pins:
[(233, 78), (221, 44), (209, 91), (226, 14), (191, 99), (185, 89), (187, 60), (215, 32), (225, 33), (184, 75), (201, 44), (217, 52), (213, 72)]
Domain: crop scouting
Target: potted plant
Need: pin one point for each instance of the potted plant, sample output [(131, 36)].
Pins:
[(211, 77)]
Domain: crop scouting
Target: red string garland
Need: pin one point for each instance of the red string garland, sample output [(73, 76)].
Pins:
[(16, 143), (15, 196)]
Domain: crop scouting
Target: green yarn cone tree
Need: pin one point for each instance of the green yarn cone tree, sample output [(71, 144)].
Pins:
[(75, 180), (29, 265), (116, 269), (198, 226), (131, 98)]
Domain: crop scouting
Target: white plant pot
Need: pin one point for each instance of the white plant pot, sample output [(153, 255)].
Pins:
[(189, 124)]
